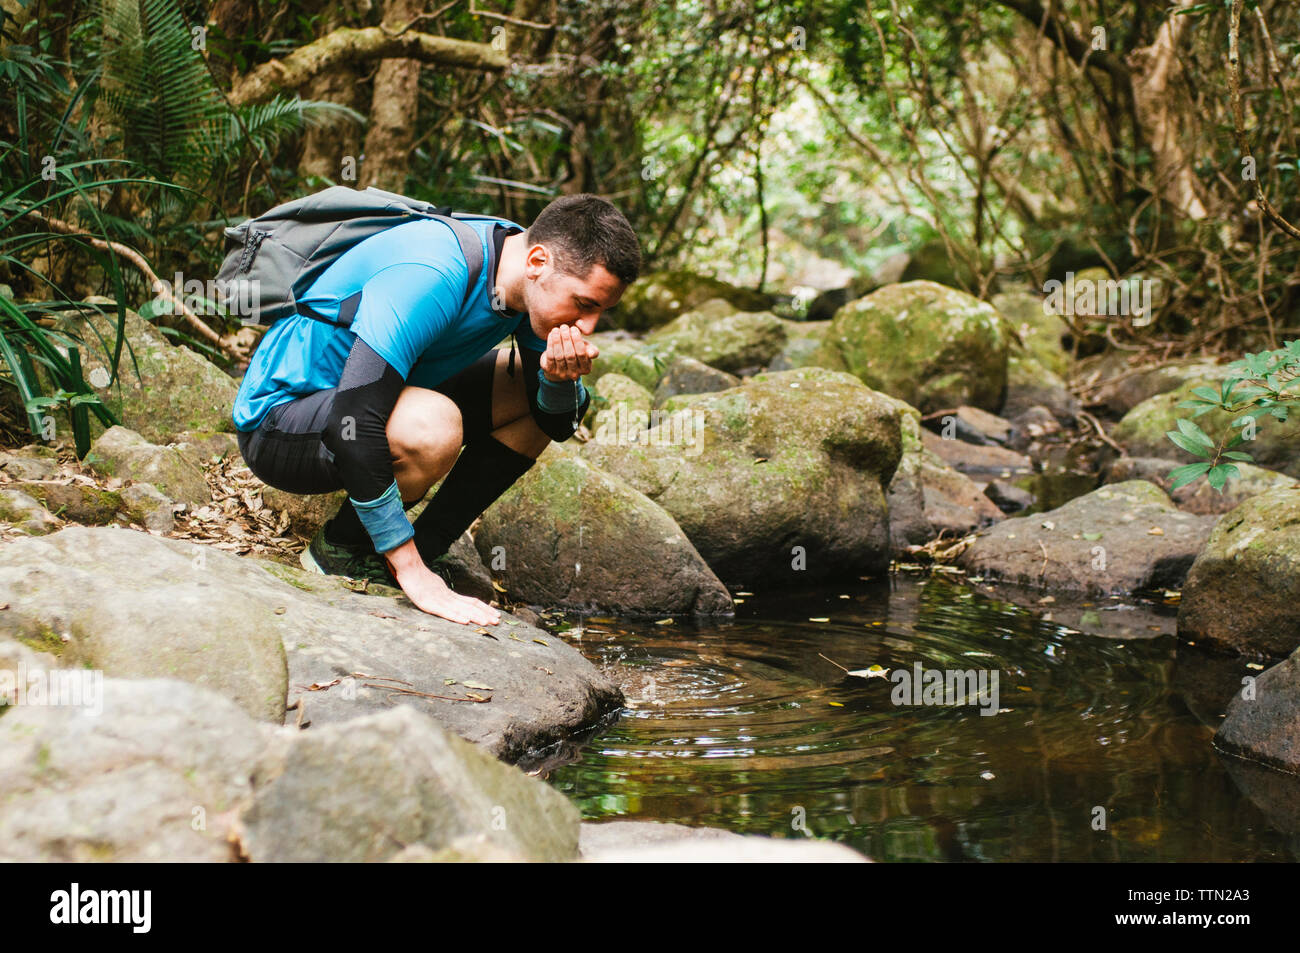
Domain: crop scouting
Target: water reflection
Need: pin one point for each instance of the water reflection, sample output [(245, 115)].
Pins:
[(742, 725)]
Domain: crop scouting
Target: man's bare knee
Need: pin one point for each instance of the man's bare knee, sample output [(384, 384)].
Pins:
[(424, 433)]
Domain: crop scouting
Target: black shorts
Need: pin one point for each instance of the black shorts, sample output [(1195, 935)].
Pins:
[(286, 452)]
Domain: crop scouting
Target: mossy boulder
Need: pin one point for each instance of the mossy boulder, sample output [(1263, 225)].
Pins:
[(655, 299), (1198, 496), (25, 514), (1042, 333), (803, 341), (1142, 430), (630, 357), (76, 502), (619, 391), (924, 343), (568, 534), (1243, 591), (780, 480), (722, 337), (177, 389), (123, 453)]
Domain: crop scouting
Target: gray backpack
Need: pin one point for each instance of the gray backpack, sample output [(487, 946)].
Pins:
[(274, 258)]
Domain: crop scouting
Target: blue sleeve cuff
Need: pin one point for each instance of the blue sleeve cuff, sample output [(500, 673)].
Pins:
[(385, 519), (558, 397)]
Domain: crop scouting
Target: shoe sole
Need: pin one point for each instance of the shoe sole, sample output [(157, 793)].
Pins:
[(308, 562)]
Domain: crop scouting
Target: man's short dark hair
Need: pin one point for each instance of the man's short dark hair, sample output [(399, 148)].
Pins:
[(585, 230)]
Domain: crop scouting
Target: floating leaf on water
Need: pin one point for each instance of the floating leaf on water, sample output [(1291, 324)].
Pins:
[(668, 621), (836, 704), (874, 671), (987, 775), (819, 618), (1255, 665)]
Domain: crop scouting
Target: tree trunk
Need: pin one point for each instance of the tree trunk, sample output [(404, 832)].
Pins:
[(394, 106), (1155, 70)]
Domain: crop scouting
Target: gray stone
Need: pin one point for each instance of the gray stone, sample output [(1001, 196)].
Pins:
[(157, 776), (25, 513), (365, 790), (1007, 497), (147, 506), (1116, 539), (32, 462), (1266, 727), (1243, 591), (1198, 496), (141, 606), (686, 375), (722, 337), (124, 454), (176, 389)]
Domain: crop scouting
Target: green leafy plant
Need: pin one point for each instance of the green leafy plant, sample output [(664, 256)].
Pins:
[(1268, 377)]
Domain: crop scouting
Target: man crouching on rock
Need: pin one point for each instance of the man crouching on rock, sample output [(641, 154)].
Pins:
[(381, 407)]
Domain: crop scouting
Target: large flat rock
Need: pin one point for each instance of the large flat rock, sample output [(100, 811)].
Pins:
[(267, 635)]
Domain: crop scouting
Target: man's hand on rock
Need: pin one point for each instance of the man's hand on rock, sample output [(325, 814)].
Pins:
[(430, 592), (568, 355)]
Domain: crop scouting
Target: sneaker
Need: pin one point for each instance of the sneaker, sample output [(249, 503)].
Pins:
[(335, 559)]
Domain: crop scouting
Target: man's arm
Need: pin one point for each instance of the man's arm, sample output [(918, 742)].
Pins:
[(552, 404), (403, 310)]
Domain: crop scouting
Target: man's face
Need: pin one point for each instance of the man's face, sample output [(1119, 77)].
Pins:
[(553, 298)]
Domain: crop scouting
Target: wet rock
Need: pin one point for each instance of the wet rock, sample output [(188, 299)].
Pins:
[(925, 343), (124, 454), (722, 337), (176, 389), (26, 515), (1007, 497), (1142, 431), (1117, 539), (1243, 591), (926, 497), (1030, 426), (655, 299), (157, 776), (570, 535), (1199, 496), (686, 375), (365, 790), (1263, 722)]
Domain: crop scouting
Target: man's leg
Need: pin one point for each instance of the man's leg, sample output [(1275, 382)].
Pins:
[(502, 441)]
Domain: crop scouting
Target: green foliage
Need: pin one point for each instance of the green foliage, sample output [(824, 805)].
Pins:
[(1267, 377)]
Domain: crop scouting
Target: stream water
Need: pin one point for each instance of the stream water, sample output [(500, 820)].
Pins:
[(1099, 750)]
